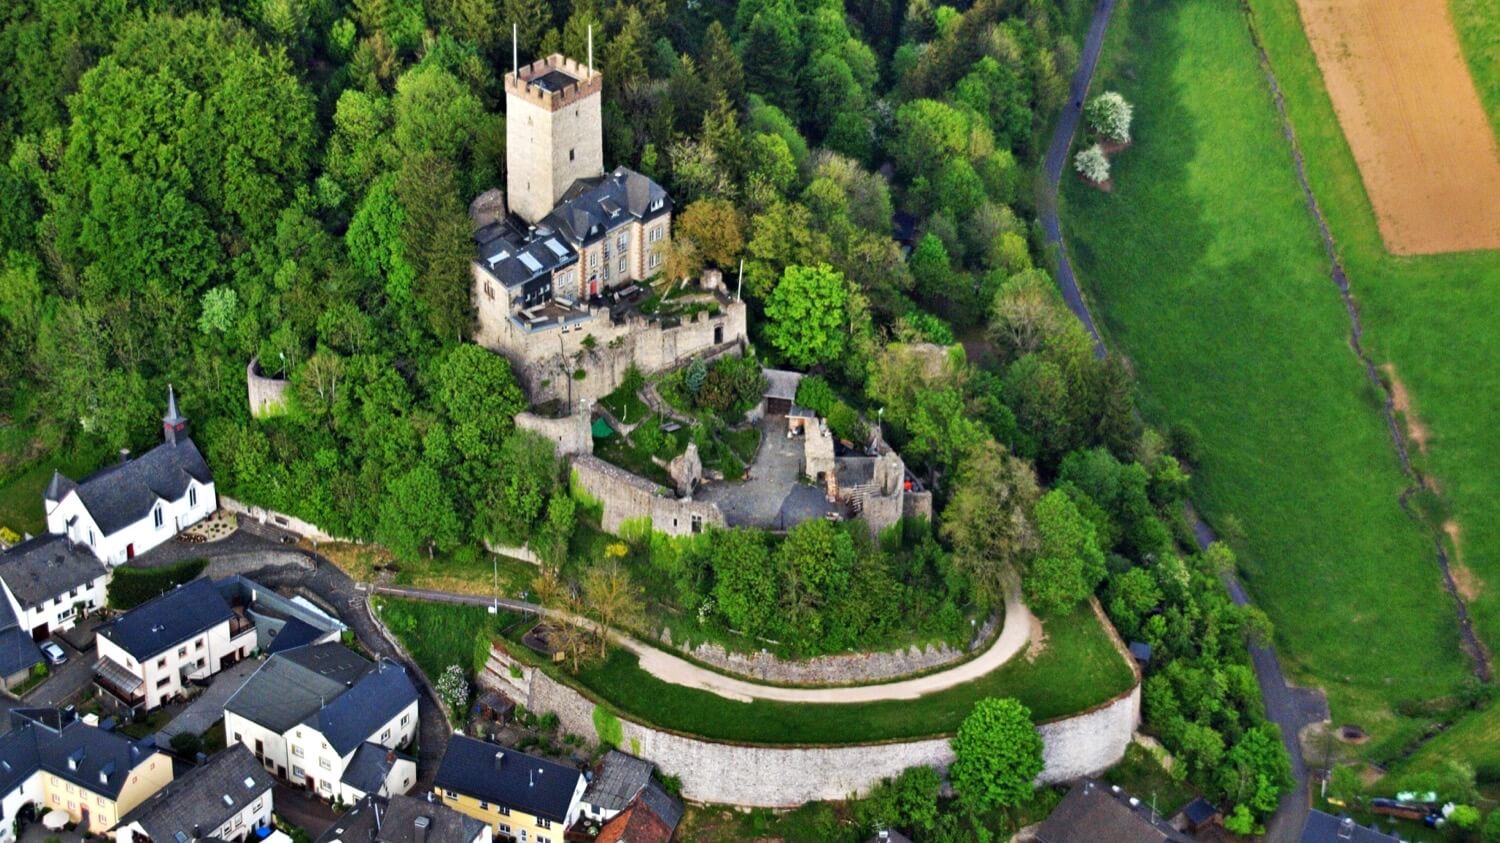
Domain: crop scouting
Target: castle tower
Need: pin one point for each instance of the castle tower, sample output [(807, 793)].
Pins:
[(553, 132)]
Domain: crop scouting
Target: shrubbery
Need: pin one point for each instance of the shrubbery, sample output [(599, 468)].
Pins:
[(130, 587)]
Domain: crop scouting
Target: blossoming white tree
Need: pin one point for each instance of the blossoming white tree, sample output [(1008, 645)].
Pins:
[(1109, 114), (1093, 164)]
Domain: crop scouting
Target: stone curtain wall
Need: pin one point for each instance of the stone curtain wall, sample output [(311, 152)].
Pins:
[(569, 435), (267, 396), (842, 669), (784, 777), (544, 360), (627, 497)]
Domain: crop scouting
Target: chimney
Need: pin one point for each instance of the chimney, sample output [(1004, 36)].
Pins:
[(197, 832), (499, 761), (124, 455), (421, 824), (1346, 828)]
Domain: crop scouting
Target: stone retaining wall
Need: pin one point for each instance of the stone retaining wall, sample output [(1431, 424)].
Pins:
[(569, 434), (841, 669), (267, 396), (281, 520), (782, 777)]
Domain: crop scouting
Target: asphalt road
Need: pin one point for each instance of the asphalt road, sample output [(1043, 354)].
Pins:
[(1057, 158), (1289, 708)]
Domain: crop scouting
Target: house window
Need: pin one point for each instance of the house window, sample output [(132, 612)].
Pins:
[(163, 681), (297, 751), (404, 718), (256, 806), (192, 496), (504, 811), (73, 592), (91, 538), (483, 805), (620, 242), (323, 762), (622, 264), (161, 662), (489, 291), (385, 735), (298, 772), (198, 645), (543, 823), (593, 264), (157, 516), (181, 652), (655, 259), (570, 155), (504, 828)]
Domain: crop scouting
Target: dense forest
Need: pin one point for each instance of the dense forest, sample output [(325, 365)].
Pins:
[(191, 184)]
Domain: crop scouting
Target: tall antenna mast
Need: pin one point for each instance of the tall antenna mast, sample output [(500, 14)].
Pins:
[(515, 61), (591, 50)]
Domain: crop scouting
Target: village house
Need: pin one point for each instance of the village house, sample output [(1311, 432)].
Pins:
[(50, 582), (1095, 811), (325, 718), (228, 798), (136, 504), (521, 796), (405, 819), (54, 762), (150, 653)]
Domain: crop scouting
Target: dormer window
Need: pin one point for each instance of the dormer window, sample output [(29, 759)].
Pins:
[(656, 204)]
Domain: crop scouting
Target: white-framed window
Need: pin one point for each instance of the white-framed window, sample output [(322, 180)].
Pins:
[(620, 242), (405, 718), (504, 828), (385, 735), (297, 751), (323, 762), (542, 822), (593, 263), (192, 496), (653, 260), (157, 516), (298, 772), (622, 264)]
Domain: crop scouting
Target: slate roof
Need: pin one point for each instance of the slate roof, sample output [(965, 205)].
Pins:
[(397, 822), (122, 494), (370, 767), (1094, 811), (292, 685), (522, 782), (1199, 811), (204, 798), (516, 255), (620, 778), (349, 719), (591, 208), (18, 651), (781, 383), (69, 749), (165, 621), (664, 805), (294, 633), (1325, 828), (44, 567)]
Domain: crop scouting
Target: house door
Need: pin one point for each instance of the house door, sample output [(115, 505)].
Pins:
[(40, 633), (130, 551), (593, 287), (311, 785)]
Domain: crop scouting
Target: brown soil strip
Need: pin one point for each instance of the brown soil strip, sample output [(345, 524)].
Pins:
[(1401, 401), (1413, 119)]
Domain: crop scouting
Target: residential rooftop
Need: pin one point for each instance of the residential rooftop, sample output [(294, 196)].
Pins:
[(122, 494), (47, 566), (169, 619), (501, 776), (204, 798)]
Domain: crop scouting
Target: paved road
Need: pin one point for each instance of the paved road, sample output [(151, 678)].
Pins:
[(1057, 158), (1013, 638), (208, 708), (1289, 708)]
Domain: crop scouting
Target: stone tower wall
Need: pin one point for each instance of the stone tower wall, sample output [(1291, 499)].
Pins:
[(552, 138)]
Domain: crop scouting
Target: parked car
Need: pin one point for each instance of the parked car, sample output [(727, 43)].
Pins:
[(54, 653)]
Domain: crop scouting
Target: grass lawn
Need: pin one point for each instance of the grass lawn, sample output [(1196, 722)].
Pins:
[(21, 507), (1140, 774), (1206, 270), (440, 634), (626, 404), (1078, 668), (362, 562), (1430, 317)]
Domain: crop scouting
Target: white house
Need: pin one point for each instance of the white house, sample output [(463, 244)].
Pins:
[(149, 653), (49, 582), (323, 717), (227, 797), (136, 504)]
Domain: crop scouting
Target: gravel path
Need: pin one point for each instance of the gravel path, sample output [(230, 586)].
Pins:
[(1012, 640)]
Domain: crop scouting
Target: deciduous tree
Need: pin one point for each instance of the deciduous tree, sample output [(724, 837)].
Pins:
[(997, 755), (807, 315)]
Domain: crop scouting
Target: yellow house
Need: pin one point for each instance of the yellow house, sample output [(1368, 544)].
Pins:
[(524, 799), (58, 763)]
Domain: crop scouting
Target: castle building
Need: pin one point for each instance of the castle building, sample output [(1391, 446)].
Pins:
[(556, 250)]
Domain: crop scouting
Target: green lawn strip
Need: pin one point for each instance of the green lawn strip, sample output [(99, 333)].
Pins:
[(1078, 669), (469, 575), (1206, 270), (1430, 315)]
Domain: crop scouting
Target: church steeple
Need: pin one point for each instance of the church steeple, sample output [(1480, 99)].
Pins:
[(172, 424)]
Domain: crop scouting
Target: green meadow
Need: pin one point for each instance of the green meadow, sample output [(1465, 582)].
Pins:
[(1206, 270)]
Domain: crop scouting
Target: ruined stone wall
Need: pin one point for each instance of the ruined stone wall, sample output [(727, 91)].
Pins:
[(917, 505), (545, 360), (569, 435), (267, 396), (882, 511), (786, 776), (627, 497)]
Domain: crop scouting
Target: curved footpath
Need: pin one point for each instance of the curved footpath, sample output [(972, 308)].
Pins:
[(1013, 638), (1289, 708)]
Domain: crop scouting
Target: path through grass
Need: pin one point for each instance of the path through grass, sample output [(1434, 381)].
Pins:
[(1206, 270)]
